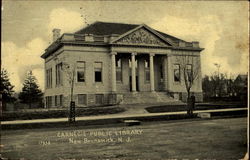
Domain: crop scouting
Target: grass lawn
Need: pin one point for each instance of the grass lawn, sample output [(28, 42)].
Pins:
[(60, 113), (202, 139)]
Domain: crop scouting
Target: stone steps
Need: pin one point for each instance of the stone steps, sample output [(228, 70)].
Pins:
[(146, 97)]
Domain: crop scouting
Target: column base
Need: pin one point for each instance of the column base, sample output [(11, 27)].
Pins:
[(134, 92)]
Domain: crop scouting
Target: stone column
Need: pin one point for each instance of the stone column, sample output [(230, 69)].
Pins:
[(151, 65), (113, 71), (165, 73), (133, 72)]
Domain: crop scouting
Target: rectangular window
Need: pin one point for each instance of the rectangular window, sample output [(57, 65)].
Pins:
[(119, 70), (118, 63), (61, 100), (99, 99), (46, 102), (59, 74), (56, 103), (98, 71), (147, 71), (49, 101), (49, 78), (189, 72), (82, 99), (177, 76), (80, 71), (146, 63)]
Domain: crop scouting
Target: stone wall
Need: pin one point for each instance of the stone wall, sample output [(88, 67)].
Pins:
[(71, 54)]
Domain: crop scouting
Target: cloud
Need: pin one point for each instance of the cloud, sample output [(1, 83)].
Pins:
[(67, 21), (19, 60), (219, 41)]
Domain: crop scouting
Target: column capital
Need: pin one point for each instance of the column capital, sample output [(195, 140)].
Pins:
[(151, 54), (133, 53), (113, 53)]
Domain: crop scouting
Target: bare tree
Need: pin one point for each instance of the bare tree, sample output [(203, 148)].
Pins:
[(70, 74), (70, 71), (190, 68)]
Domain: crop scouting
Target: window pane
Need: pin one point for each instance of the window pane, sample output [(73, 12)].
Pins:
[(146, 64), (80, 76), (82, 99), (80, 71), (176, 73), (49, 78), (55, 100), (61, 100), (48, 101), (99, 99), (98, 71), (118, 75), (118, 63), (59, 74), (98, 76), (147, 74)]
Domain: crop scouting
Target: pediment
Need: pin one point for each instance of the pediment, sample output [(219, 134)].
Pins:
[(141, 36)]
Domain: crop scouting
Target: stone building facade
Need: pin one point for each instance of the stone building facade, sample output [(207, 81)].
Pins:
[(112, 63)]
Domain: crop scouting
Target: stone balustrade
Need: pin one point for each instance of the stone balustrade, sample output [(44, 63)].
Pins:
[(87, 38)]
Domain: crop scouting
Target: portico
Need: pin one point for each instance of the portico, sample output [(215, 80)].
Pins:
[(142, 69)]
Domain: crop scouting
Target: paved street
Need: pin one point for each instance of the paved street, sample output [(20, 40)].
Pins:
[(202, 139)]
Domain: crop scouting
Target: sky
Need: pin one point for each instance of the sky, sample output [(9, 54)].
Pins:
[(221, 27)]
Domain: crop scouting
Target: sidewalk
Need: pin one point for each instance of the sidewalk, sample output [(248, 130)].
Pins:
[(139, 115)]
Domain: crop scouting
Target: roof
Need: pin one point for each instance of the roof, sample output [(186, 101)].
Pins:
[(107, 28), (104, 28), (174, 39)]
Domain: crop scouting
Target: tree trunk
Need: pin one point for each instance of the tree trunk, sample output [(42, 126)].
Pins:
[(189, 103), (188, 92)]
